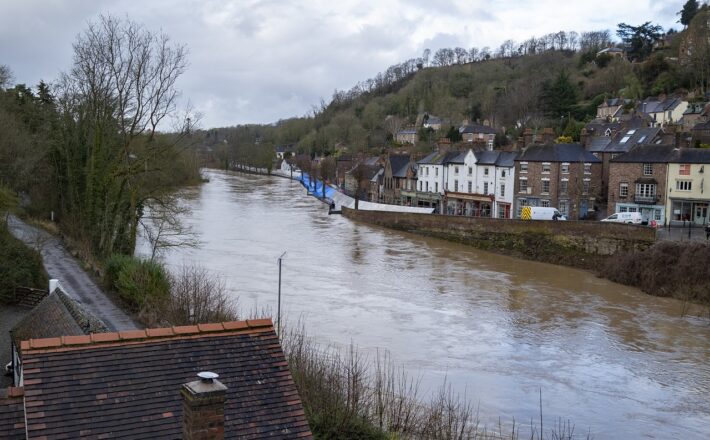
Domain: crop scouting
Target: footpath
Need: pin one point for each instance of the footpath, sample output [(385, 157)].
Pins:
[(72, 277)]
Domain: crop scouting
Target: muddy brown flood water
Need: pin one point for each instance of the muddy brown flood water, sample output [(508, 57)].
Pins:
[(612, 360)]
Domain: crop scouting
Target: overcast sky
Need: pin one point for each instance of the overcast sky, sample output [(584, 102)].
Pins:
[(257, 61)]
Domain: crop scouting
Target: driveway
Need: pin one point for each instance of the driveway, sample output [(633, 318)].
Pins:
[(73, 279)]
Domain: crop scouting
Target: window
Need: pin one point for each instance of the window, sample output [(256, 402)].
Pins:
[(623, 209), (456, 170), (587, 168), (545, 186), (485, 187), (436, 171), (502, 189), (420, 185), (470, 186), (427, 186), (523, 167), (470, 171), (545, 203), (564, 168), (683, 185), (657, 215), (521, 203), (523, 185), (564, 186), (456, 185), (546, 168), (485, 171), (646, 190), (623, 190), (684, 170), (648, 169), (632, 209), (436, 187), (585, 187), (427, 171), (502, 173)]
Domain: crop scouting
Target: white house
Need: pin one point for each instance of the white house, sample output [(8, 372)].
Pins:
[(664, 111)]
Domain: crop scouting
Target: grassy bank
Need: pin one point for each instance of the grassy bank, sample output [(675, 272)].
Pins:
[(667, 269)]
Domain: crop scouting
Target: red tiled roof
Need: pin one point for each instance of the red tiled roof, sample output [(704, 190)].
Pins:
[(128, 383), (12, 414)]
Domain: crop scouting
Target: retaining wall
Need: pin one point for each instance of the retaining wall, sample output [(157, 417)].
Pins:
[(570, 243)]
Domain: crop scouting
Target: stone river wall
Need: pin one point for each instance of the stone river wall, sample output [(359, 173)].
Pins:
[(571, 243)]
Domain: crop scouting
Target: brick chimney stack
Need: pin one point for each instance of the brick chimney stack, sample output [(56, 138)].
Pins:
[(527, 137), (203, 408)]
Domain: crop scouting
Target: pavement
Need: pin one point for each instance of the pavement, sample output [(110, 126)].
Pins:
[(676, 233), (72, 277)]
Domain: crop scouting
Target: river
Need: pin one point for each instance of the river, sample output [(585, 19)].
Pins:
[(610, 359)]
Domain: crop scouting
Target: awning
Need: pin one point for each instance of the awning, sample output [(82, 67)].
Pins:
[(473, 197)]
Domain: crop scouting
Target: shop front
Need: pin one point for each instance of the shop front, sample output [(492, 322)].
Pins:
[(694, 211), (470, 205)]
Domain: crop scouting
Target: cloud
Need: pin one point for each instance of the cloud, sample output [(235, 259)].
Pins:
[(264, 60)]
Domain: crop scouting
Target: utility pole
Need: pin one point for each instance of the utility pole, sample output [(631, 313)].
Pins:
[(278, 306)]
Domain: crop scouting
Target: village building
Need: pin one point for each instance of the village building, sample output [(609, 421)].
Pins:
[(482, 135), (638, 182), (432, 122), (284, 150), (615, 52), (701, 134), (407, 136), (431, 180), (687, 200), (664, 110), (611, 110), (696, 113), (564, 176), (399, 173)]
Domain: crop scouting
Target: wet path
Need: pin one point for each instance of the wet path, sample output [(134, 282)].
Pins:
[(77, 284)]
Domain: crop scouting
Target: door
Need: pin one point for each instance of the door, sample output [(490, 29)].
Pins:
[(701, 213), (583, 209)]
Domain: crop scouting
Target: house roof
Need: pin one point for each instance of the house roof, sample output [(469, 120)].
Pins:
[(284, 148), (600, 126), (627, 139), (439, 158), (646, 154), (598, 144), (407, 131), (12, 414), (557, 153), (399, 163), (487, 157), (506, 159), (127, 384), (702, 126), (690, 155), (611, 50), (56, 315), (477, 128), (654, 106)]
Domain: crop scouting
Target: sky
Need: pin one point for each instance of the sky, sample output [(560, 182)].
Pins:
[(253, 61)]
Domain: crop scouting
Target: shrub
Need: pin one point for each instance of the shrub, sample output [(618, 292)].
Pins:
[(140, 283), (19, 265), (196, 297)]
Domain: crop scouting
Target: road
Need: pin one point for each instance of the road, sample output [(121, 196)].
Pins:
[(74, 280)]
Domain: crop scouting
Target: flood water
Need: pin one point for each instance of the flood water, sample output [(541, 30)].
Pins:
[(612, 360)]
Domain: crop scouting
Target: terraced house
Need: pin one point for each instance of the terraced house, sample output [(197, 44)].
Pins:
[(563, 176), (688, 197)]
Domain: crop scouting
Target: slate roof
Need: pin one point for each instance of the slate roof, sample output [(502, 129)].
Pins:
[(598, 144), (399, 164), (438, 158), (653, 106), (690, 155), (56, 315), (477, 128), (506, 159), (557, 153), (12, 414), (702, 126), (598, 127), (127, 384), (284, 148), (647, 154), (629, 138), (407, 131)]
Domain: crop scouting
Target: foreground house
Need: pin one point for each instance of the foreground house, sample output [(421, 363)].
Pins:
[(399, 173), (143, 384), (564, 176), (431, 181)]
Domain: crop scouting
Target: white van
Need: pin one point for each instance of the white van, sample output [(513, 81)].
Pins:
[(540, 213), (633, 218)]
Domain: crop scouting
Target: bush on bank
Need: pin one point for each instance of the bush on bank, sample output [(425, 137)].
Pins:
[(670, 269), (19, 265), (139, 283)]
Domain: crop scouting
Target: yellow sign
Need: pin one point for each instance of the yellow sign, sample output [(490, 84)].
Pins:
[(526, 213)]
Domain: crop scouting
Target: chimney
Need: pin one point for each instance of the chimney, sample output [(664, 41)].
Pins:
[(584, 137), (527, 137), (548, 135), (203, 408)]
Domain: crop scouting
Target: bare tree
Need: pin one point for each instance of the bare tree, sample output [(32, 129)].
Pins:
[(164, 227), (393, 125), (198, 297)]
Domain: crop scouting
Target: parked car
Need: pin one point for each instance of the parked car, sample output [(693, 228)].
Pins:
[(633, 218), (540, 213)]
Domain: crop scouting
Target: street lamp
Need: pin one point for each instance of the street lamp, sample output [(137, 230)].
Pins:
[(278, 306)]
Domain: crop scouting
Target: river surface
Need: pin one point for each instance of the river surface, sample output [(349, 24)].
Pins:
[(608, 358)]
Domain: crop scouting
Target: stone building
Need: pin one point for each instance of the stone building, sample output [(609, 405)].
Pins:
[(565, 176)]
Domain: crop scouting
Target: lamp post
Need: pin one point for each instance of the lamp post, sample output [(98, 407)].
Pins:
[(278, 304)]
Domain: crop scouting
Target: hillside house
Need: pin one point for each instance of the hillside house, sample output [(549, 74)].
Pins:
[(407, 136), (611, 110), (479, 134), (565, 176), (663, 111)]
